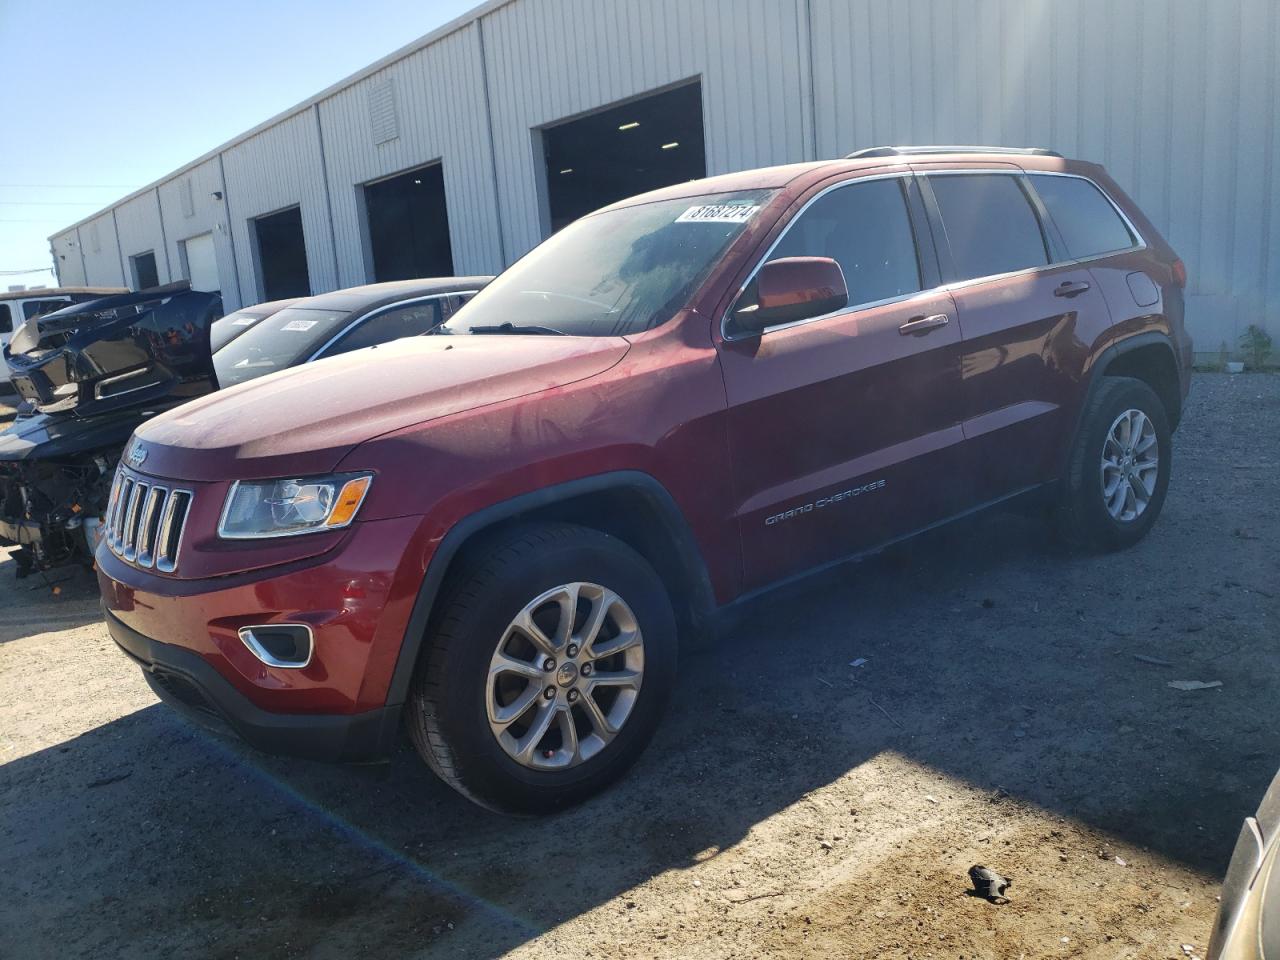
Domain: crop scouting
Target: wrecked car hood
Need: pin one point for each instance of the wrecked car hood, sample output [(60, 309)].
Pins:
[(305, 419), (52, 436), (114, 352)]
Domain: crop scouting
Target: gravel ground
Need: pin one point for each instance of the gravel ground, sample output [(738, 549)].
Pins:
[(792, 804)]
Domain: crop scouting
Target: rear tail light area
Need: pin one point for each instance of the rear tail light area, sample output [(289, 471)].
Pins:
[(1180, 274)]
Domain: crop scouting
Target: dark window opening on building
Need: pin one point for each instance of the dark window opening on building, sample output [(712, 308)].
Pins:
[(282, 255), (621, 151), (409, 225), (145, 275)]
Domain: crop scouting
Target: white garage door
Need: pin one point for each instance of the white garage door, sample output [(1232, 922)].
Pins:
[(202, 263)]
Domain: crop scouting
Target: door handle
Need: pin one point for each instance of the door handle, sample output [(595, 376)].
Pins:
[(1069, 288), (918, 325)]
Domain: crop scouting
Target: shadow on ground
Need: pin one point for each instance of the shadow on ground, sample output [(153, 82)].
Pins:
[(990, 656), (971, 680), (58, 600)]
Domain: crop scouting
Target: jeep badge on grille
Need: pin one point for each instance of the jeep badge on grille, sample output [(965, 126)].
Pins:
[(136, 455)]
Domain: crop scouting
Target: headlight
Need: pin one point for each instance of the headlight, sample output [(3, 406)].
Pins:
[(285, 508)]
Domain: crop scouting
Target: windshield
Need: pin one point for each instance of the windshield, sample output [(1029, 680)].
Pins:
[(281, 340), (614, 273), (227, 328)]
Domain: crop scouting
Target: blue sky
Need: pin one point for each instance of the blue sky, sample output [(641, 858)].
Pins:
[(106, 96)]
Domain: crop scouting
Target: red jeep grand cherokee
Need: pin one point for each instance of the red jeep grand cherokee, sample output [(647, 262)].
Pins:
[(494, 535)]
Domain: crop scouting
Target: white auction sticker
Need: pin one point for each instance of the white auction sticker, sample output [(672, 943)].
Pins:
[(243, 321), (718, 213), (300, 325)]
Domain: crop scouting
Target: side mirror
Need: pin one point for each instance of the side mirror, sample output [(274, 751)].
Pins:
[(793, 288)]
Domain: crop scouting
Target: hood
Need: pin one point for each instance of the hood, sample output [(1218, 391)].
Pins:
[(54, 436), (306, 419), (116, 352)]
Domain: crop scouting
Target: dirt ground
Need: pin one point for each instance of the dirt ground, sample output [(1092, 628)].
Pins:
[(792, 805)]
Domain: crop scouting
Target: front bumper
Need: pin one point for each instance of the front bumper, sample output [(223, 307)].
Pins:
[(356, 597), (189, 684)]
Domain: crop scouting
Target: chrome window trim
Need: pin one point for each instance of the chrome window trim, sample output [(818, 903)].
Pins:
[(365, 318), (1056, 265), (1140, 244), (795, 218), (254, 645)]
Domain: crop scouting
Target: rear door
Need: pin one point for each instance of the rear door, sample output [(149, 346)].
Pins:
[(844, 429), (1027, 320)]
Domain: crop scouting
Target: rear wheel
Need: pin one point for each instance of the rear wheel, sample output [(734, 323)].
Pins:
[(1118, 472), (546, 672)]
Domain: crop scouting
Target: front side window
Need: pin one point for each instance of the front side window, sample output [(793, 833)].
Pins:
[(866, 229), (406, 321), (990, 225), (281, 340), (614, 273), (6, 318), (1087, 221)]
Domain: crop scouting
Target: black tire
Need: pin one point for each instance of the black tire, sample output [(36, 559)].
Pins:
[(1082, 516), (447, 715)]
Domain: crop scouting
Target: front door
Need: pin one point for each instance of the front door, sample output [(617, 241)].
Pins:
[(845, 429)]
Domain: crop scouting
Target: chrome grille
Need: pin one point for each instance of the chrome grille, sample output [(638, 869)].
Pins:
[(145, 521)]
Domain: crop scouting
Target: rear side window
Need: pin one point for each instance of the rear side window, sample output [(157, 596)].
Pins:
[(6, 319), (991, 227), (865, 228), (1089, 224)]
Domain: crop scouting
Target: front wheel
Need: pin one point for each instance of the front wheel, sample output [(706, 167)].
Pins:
[(546, 673), (1118, 471)]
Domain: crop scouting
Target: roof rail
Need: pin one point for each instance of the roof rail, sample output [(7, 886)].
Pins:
[(907, 151)]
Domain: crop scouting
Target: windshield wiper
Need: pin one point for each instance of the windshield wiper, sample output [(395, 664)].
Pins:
[(512, 328)]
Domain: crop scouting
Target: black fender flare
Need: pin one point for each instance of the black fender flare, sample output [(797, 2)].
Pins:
[(1127, 345), (694, 572), (1099, 369)]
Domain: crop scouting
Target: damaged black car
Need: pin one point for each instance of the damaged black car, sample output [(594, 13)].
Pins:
[(88, 374)]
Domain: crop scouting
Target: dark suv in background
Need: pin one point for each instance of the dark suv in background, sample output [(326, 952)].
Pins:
[(495, 535)]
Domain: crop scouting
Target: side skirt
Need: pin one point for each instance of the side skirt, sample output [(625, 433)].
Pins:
[(726, 617)]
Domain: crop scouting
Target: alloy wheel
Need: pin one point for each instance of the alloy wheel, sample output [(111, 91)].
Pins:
[(1130, 465), (565, 676)]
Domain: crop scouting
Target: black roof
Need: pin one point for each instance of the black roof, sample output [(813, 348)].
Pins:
[(266, 309), (377, 294)]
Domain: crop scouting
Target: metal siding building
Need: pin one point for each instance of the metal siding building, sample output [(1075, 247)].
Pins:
[(189, 210), (1178, 98)]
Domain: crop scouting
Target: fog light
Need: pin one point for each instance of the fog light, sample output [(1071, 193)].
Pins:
[(284, 645)]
